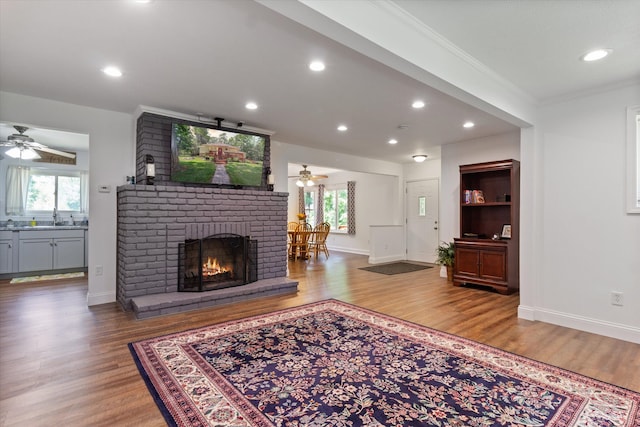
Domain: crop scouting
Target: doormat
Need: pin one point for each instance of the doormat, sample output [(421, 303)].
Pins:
[(47, 277), (335, 364), (396, 268)]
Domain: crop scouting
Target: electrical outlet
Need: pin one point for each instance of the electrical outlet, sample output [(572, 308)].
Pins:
[(98, 270), (616, 298)]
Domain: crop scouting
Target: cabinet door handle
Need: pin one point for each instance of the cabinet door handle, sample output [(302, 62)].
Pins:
[(10, 246), (50, 243)]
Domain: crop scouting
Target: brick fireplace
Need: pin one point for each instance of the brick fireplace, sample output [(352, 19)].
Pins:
[(153, 220)]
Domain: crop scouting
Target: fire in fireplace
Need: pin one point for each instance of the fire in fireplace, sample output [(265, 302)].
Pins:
[(216, 262)]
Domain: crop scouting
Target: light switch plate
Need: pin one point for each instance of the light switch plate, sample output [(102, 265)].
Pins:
[(104, 188)]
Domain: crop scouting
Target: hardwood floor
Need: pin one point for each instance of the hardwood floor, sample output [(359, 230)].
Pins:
[(65, 364)]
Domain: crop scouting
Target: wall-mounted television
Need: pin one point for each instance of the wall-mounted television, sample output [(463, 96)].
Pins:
[(217, 156)]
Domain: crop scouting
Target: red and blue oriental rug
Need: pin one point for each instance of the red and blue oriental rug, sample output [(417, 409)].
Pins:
[(334, 364)]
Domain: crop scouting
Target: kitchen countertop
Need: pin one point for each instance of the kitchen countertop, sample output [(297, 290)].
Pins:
[(44, 227)]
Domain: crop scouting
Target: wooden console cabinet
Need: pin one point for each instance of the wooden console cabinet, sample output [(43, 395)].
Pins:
[(479, 257)]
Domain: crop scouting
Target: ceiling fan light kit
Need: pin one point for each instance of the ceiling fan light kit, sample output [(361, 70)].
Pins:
[(306, 178), (24, 147), (22, 153)]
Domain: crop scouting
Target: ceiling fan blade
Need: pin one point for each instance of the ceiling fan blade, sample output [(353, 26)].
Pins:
[(318, 176), (56, 152)]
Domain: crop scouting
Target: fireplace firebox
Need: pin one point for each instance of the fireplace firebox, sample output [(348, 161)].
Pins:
[(216, 262)]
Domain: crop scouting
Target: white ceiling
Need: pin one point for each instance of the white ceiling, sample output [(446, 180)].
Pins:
[(211, 57)]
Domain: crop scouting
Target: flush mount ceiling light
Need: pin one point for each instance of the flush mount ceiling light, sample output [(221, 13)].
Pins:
[(316, 66), (251, 106), (342, 128), (112, 71), (468, 124), (393, 141), (595, 55), (418, 104), (419, 158)]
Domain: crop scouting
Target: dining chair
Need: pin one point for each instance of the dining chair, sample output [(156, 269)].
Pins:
[(291, 227), (319, 240), (300, 241)]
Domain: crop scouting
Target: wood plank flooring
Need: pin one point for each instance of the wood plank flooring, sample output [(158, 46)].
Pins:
[(65, 364)]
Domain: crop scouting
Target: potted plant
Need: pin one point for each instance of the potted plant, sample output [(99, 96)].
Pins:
[(445, 257)]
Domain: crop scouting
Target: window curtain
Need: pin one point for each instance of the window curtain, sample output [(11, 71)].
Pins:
[(300, 199), (320, 205), (351, 206), (84, 192), (16, 189)]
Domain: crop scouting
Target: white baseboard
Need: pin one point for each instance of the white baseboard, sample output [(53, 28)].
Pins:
[(348, 250), (100, 298), (608, 329)]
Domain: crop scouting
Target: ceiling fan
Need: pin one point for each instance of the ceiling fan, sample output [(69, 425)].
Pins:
[(306, 178), (25, 148)]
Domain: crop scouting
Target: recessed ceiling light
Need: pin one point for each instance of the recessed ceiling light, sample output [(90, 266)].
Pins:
[(143, 1), (420, 158), (316, 66), (393, 141), (418, 104), (468, 124), (342, 128), (595, 55), (112, 71), (251, 106)]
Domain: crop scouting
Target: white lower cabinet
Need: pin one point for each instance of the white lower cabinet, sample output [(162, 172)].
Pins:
[(51, 250), (6, 252)]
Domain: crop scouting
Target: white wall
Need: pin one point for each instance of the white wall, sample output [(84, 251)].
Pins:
[(429, 169), (590, 246), (111, 158)]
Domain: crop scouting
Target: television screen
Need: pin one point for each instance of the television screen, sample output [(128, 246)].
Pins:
[(217, 155)]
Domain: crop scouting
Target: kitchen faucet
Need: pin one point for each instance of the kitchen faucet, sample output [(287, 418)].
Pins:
[(55, 216)]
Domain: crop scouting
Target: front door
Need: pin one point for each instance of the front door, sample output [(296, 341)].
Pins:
[(422, 220)]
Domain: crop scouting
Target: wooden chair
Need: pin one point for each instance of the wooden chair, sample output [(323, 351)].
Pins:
[(300, 241), (291, 226), (319, 241)]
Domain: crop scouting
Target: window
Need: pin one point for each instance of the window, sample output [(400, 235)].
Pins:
[(47, 190), (335, 209), (633, 159), (310, 207)]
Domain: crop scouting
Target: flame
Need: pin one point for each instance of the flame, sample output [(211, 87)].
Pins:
[(213, 267)]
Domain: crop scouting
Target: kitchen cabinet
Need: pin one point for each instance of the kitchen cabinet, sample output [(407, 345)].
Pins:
[(489, 205), (6, 252), (51, 250)]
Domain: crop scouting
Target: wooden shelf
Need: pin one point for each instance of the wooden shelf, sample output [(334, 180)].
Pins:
[(482, 260)]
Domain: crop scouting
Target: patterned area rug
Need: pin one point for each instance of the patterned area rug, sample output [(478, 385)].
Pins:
[(47, 277), (395, 268), (334, 364)]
